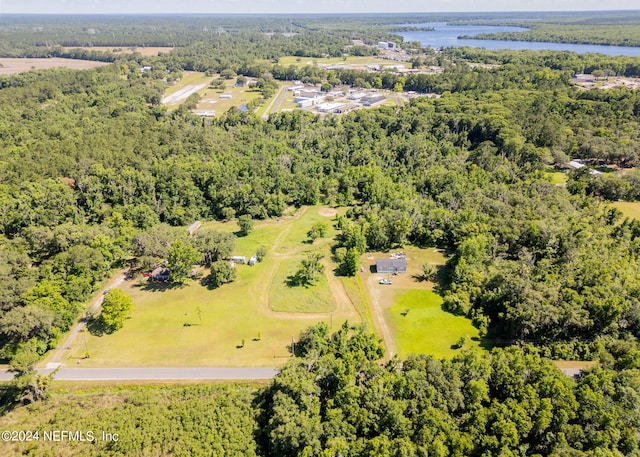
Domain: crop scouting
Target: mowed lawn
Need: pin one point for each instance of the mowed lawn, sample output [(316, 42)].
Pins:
[(312, 298), (629, 209), (556, 177), (421, 326), (195, 326)]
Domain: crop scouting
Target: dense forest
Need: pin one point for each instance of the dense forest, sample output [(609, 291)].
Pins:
[(96, 174)]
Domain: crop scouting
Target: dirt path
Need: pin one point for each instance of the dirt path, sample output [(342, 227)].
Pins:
[(343, 302), (55, 359), (377, 312), (262, 286)]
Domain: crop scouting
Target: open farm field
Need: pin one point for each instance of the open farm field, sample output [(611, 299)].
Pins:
[(234, 324), (629, 209), (144, 51), (10, 66)]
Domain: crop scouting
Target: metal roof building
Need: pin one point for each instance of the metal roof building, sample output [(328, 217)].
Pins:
[(391, 265)]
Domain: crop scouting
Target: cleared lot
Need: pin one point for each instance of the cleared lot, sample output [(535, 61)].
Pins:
[(10, 66)]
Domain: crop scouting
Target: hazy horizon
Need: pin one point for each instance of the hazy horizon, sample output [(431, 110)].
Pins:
[(264, 7)]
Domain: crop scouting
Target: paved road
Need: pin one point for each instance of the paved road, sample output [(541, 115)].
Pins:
[(274, 106), (153, 374)]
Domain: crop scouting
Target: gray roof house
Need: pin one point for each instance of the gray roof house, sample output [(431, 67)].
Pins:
[(391, 265)]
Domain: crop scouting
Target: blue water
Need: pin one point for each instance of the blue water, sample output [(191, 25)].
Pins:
[(447, 36)]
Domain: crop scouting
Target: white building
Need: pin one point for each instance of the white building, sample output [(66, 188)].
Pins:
[(329, 107)]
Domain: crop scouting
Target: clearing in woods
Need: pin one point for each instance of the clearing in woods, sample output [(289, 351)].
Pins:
[(195, 326), (629, 209), (407, 313)]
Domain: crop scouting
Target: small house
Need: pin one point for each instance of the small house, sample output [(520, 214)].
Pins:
[(160, 274), (392, 266), (253, 260), (238, 259)]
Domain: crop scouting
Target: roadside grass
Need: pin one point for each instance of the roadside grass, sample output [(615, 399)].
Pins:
[(312, 298), (421, 326), (228, 326), (629, 209), (355, 290)]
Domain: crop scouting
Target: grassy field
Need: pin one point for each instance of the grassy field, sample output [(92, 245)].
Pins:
[(211, 101), (629, 209), (196, 326), (556, 177), (313, 298), (421, 326)]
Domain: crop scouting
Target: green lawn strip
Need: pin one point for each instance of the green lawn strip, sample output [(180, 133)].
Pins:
[(421, 326), (313, 298), (629, 209), (355, 290)]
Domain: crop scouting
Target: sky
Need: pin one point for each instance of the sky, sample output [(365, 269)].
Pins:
[(302, 6)]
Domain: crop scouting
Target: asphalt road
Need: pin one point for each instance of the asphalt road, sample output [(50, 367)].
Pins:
[(133, 374)]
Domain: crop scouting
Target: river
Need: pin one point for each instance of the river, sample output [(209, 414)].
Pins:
[(446, 35)]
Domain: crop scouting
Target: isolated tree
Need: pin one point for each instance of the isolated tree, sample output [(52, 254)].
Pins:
[(309, 270), (318, 230), (245, 223), (429, 272), (182, 258), (116, 307)]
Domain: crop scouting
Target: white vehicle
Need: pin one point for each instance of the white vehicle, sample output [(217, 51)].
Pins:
[(385, 281)]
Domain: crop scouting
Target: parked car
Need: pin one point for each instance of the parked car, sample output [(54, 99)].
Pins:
[(385, 281)]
